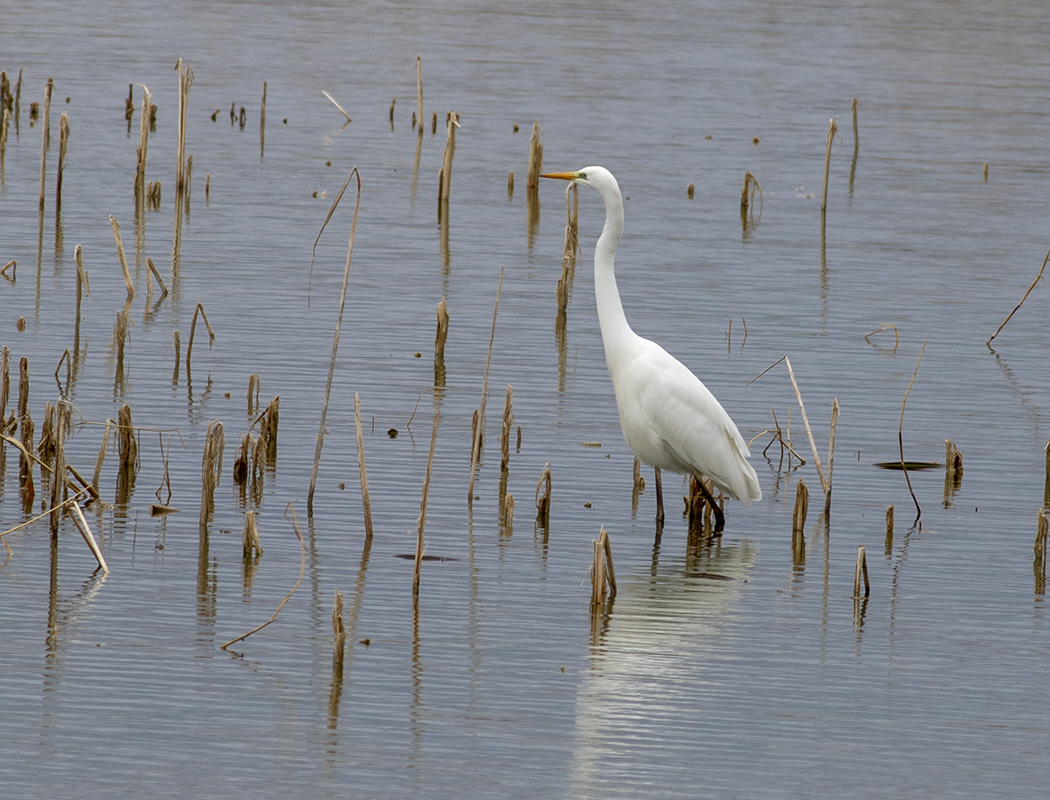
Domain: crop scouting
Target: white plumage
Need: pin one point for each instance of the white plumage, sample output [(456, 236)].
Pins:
[(669, 418)]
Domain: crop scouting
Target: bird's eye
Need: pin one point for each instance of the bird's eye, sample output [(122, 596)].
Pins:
[(581, 176)]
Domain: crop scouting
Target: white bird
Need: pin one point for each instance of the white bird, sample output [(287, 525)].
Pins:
[(669, 418)]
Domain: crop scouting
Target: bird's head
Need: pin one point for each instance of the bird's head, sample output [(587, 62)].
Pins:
[(598, 178)]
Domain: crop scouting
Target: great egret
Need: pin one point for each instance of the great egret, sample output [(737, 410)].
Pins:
[(669, 418)]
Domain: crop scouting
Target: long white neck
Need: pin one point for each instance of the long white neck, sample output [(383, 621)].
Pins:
[(616, 332)]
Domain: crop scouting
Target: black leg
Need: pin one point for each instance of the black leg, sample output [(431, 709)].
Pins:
[(659, 498)]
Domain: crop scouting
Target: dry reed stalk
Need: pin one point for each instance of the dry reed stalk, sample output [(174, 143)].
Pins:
[(419, 92), (177, 342), (798, 518), (1042, 534), (479, 428), (809, 431), (831, 452), (242, 461), (510, 184), (120, 255), (433, 124), (900, 435), (338, 630), (532, 183), (63, 144), (5, 117), (101, 457), (211, 469), (262, 117), (508, 425), (289, 514), (393, 103), (252, 544), (11, 265), (85, 531), (423, 513), (861, 570), (690, 191), (5, 388), (127, 443), (121, 331), (25, 464), (1046, 482), (603, 576), (199, 309), (338, 325), (747, 194), (887, 327), (156, 274), (442, 330), (508, 514), (254, 387), (334, 103), (543, 496), (62, 418), (638, 480), (185, 81), (1038, 278), (953, 461), (833, 129), (570, 246), (267, 423), (23, 387), (445, 175), (366, 502), (83, 284), (140, 153), (45, 138)]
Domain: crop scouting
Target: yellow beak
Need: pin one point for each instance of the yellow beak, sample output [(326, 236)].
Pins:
[(563, 176)]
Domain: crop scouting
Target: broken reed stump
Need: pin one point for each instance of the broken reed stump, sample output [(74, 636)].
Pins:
[(861, 571), (338, 630), (798, 517), (603, 576), (570, 247), (1046, 482), (211, 469), (140, 152), (252, 544), (127, 453), (1039, 548), (543, 497), (45, 139), (508, 425), (747, 198), (63, 144), (440, 336), (445, 174), (532, 182)]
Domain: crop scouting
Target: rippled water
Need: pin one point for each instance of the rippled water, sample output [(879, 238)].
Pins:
[(724, 669)]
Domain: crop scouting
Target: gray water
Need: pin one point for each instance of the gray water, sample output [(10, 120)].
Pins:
[(726, 668)]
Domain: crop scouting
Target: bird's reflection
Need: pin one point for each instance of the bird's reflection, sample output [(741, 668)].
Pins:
[(660, 643)]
